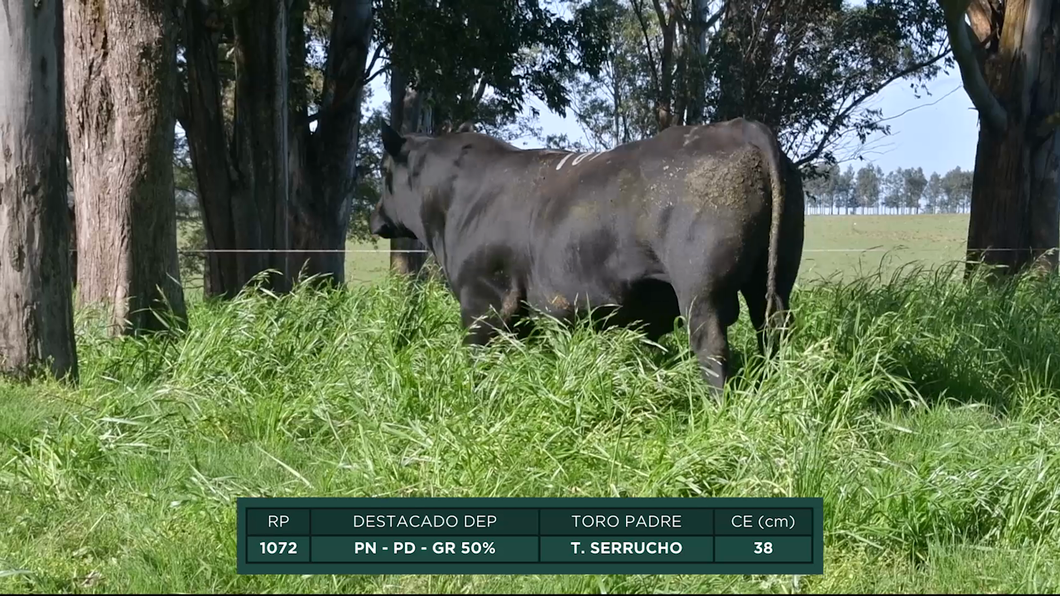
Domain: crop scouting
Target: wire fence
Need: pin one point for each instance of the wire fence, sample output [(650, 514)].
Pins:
[(370, 272), (388, 251)]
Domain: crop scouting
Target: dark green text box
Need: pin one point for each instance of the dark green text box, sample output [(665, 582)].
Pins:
[(627, 549), (278, 522), (763, 549), (763, 522), (421, 549), (530, 510), (407, 522), (278, 549), (627, 522)]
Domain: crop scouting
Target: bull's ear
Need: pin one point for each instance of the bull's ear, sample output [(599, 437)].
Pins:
[(468, 126), (392, 141)]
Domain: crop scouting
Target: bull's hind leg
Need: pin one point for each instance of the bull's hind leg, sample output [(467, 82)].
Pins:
[(485, 311), (770, 333), (710, 314), (754, 293)]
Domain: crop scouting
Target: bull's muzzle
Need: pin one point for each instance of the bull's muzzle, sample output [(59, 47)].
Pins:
[(380, 225)]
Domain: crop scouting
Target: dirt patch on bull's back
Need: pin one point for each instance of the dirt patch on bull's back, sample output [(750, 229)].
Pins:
[(584, 209), (727, 182)]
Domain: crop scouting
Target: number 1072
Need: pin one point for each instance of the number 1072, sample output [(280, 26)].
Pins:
[(279, 548)]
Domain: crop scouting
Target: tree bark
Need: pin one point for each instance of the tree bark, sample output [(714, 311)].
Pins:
[(1045, 151), (701, 18), (36, 310), (664, 102), (407, 114), (204, 123), (120, 71), (323, 165), (1015, 192), (243, 184), (260, 201)]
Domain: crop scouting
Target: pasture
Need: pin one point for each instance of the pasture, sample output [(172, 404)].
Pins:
[(842, 246), (926, 413)]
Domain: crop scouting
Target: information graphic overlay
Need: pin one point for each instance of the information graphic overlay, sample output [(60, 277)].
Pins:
[(530, 536)]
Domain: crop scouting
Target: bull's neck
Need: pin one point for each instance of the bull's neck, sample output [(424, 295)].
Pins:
[(431, 220)]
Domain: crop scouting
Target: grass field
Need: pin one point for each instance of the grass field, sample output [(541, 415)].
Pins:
[(925, 413), (835, 246)]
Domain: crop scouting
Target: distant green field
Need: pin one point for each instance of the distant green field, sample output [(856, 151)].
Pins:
[(844, 245), (863, 244), (835, 245)]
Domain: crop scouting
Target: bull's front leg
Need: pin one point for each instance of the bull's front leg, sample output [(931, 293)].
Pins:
[(485, 311)]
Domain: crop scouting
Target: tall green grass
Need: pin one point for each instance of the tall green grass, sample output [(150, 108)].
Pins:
[(925, 412)]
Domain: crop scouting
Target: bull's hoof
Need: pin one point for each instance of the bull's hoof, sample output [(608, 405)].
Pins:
[(715, 377)]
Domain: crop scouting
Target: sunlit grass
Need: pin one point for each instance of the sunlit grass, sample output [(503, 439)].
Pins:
[(925, 412)]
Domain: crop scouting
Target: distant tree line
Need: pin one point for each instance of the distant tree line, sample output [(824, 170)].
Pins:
[(831, 190)]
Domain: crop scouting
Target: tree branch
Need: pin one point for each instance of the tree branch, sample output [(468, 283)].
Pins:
[(371, 64), (843, 114), (372, 76), (349, 97), (979, 14), (479, 92), (713, 19), (990, 109), (639, 10)]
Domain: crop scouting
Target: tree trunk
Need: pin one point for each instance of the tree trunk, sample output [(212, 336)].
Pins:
[(616, 94), (664, 103), (243, 186), (681, 93), (36, 310), (1045, 153), (120, 82), (1015, 192), (407, 114), (260, 201), (700, 43), (204, 124), (324, 172)]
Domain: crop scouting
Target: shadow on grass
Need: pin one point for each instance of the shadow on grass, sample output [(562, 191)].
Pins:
[(979, 340)]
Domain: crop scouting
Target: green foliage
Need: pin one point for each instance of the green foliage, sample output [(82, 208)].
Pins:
[(846, 191), (455, 49), (904, 188), (819, 184), (804, 68), (922, 410), (369, 175), (867, 186), (617, 106), (933, 194), (893, 189), (957, 188), (913, 183)]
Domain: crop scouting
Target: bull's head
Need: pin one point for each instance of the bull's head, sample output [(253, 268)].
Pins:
[(396, 215)]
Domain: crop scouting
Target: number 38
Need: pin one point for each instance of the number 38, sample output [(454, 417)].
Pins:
[(763, 548)]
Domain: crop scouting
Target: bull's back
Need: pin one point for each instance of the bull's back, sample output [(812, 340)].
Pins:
[(643, 210)]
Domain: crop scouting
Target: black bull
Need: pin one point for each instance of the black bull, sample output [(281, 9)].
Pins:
[(670, 226)]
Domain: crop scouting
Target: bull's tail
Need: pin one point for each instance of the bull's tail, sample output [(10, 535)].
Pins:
[(768, 145)]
